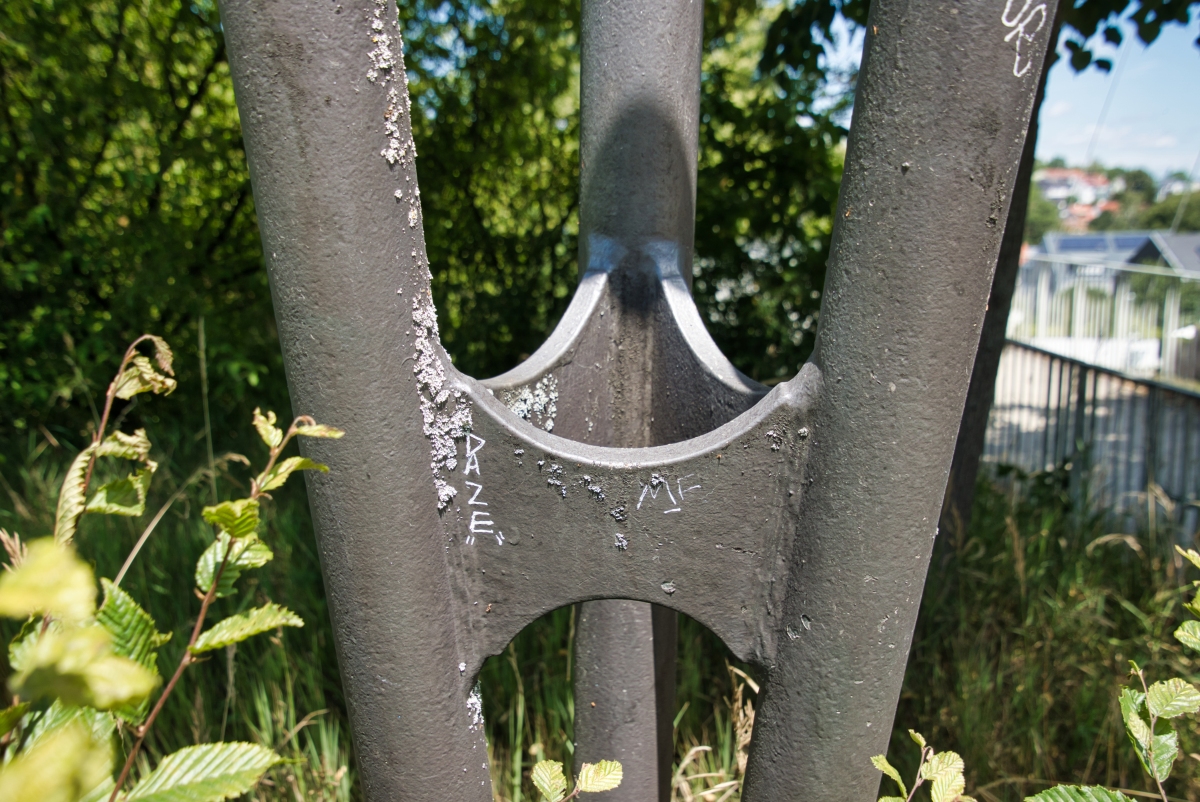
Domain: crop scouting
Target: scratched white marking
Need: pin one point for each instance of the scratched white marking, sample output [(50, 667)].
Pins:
[(481, 523), (658, 482), (1022, 32), (473, 454), (478, 490)]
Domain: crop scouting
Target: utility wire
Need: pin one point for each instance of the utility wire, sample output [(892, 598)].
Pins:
[(1112, 90)]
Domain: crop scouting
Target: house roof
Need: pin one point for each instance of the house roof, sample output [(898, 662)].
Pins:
[(1180, 252), (1102, 246)]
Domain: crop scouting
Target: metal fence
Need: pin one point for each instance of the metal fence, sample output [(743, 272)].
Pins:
[(1124, 436)]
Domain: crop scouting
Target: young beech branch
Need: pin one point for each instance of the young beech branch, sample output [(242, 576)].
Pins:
[(188, 658)]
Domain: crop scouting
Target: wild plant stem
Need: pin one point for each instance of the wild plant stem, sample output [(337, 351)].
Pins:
[(1150, 750), (186, 660), (925, 755), (212, 463), (98, 437)]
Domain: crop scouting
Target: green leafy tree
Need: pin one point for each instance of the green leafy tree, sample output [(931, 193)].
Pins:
[(125, 204), (1041, 217), (1162, 215)]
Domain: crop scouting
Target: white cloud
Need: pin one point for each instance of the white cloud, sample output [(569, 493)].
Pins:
[(1057, 109)]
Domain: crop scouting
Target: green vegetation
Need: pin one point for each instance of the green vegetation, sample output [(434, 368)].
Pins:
[(125, 206), (1041, 217), (82, 675)]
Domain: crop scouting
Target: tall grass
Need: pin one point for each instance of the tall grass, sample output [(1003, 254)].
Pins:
[(1024, 638), (1021, 645)]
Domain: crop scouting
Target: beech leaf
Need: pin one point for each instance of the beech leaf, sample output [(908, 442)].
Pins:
[(51, 580), (206, 773), (238, 628), (595, 777)]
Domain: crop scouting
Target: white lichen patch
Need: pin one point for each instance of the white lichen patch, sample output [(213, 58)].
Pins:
[(382, 58), (538, 405), (555, 479), (475, 710), (395, 149), (446, 415), (593, 488)]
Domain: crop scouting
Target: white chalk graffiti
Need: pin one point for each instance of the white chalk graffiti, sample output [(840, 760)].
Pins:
[(473, 445), (481, 520), (1023, 29), (658, 483)]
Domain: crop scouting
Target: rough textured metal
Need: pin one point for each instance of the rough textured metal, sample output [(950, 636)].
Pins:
[(798, 531), (631, 364), (940, 116)]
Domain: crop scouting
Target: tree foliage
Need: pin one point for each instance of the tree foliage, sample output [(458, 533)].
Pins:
[(124, 201)]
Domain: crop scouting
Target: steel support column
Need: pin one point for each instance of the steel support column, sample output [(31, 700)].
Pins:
[(795, 524)]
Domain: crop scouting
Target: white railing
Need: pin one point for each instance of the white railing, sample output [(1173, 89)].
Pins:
[(1091, 312)]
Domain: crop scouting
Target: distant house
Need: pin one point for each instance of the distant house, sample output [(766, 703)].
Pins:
[(1174, 186), (1180, 252), (1072, 185), (1094, 259), (1081, 196), (1075, 297)]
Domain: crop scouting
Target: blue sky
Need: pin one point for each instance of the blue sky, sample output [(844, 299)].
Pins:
[(1154, 119)]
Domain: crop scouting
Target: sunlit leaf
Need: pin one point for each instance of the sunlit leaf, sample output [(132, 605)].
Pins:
[(248, 552), (10, 716), (1189, 635), (942, 763), (141, 377), (1166, 751), (71, 498), (76, 665), (944, 771), (162, 354), (99, 723), (917, 737), (63, 768), (1131, 711), (271, 434), (51, 580), (238, 628), (207, 773), (1172, 698), (134, 446), (238, 518), (122, 496), (595, 777), (134, 635), (548, 778), (282, 470), (1075, 793), (947, 786), (1158, 751), (881, 762), (319, 430), (1192, 555)]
